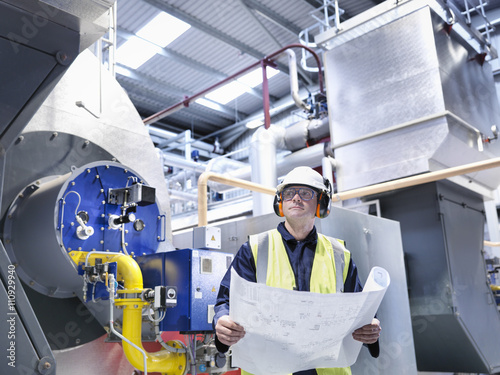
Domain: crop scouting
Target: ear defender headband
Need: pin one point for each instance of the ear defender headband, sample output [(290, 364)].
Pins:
[(323, 207)]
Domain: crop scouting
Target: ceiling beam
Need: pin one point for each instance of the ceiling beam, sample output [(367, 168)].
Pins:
[(273, 16), (175, 56), (212, 31), (170, 90), (207, 116), (184, 60)]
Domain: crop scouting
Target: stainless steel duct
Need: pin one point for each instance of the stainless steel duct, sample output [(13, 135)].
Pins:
[(407, 95), (62, 135)]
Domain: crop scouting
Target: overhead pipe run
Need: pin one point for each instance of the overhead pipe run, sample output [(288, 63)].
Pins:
[(168, 135), (417, 180), (300, 134), (264, 144), (267, 60), (491, 244), (349, 194), (309, 156)]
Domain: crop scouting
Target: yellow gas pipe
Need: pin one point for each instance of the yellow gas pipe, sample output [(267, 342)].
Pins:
[(129, 272)]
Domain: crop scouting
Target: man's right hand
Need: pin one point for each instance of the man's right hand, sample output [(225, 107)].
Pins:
[(228, 332)]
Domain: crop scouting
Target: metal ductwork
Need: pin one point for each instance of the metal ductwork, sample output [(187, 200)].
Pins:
[(410, 91), (39, 40), (455, 319), (407, 95)]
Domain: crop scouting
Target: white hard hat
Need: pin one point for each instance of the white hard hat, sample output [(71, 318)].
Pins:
[(303, 176)]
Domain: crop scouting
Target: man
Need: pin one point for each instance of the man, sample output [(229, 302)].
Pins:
[(319, 263)]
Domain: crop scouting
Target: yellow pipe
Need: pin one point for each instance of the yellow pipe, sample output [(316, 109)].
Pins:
[(417, 180), (162, 361), (491, 244), (130, 273)]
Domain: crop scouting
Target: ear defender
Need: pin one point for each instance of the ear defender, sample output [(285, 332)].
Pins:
[(323, 208), (278, 205)]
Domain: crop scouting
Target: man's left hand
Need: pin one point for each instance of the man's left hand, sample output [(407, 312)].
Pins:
[(368, 334)]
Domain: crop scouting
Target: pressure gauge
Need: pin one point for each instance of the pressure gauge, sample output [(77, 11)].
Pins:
[(139, 225)]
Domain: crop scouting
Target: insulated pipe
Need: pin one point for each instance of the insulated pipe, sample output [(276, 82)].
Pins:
[(294, 81), (129, 272), (263, 146), (309, 156), (236, 182), (327, 165), (185, 103), (177, 194), (298, 135)]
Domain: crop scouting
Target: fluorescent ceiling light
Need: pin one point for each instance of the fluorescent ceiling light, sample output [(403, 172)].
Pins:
[(156, 34), (232, 90), (208, 103), (135, 52), (254, 78), (163, 29), (254, 124), (227, 92)]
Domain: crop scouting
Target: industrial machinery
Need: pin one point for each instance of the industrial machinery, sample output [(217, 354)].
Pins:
[(83, 203), (410, 90), (101, 245), (93, 281)]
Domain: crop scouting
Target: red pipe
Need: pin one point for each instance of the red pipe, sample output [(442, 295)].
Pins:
[(263, 63)]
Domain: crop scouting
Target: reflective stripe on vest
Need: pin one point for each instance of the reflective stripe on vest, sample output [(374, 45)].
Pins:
[(330, 256), (326, 247)]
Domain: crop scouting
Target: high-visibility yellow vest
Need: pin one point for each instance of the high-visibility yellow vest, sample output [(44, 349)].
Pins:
[(275, 270)]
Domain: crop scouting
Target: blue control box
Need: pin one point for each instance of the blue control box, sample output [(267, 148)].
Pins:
[(197, 275)]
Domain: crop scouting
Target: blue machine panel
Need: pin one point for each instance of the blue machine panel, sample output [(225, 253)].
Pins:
[(197, 275), (87, 192)]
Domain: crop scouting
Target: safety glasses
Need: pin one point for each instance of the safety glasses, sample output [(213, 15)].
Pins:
[(305, 194)]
